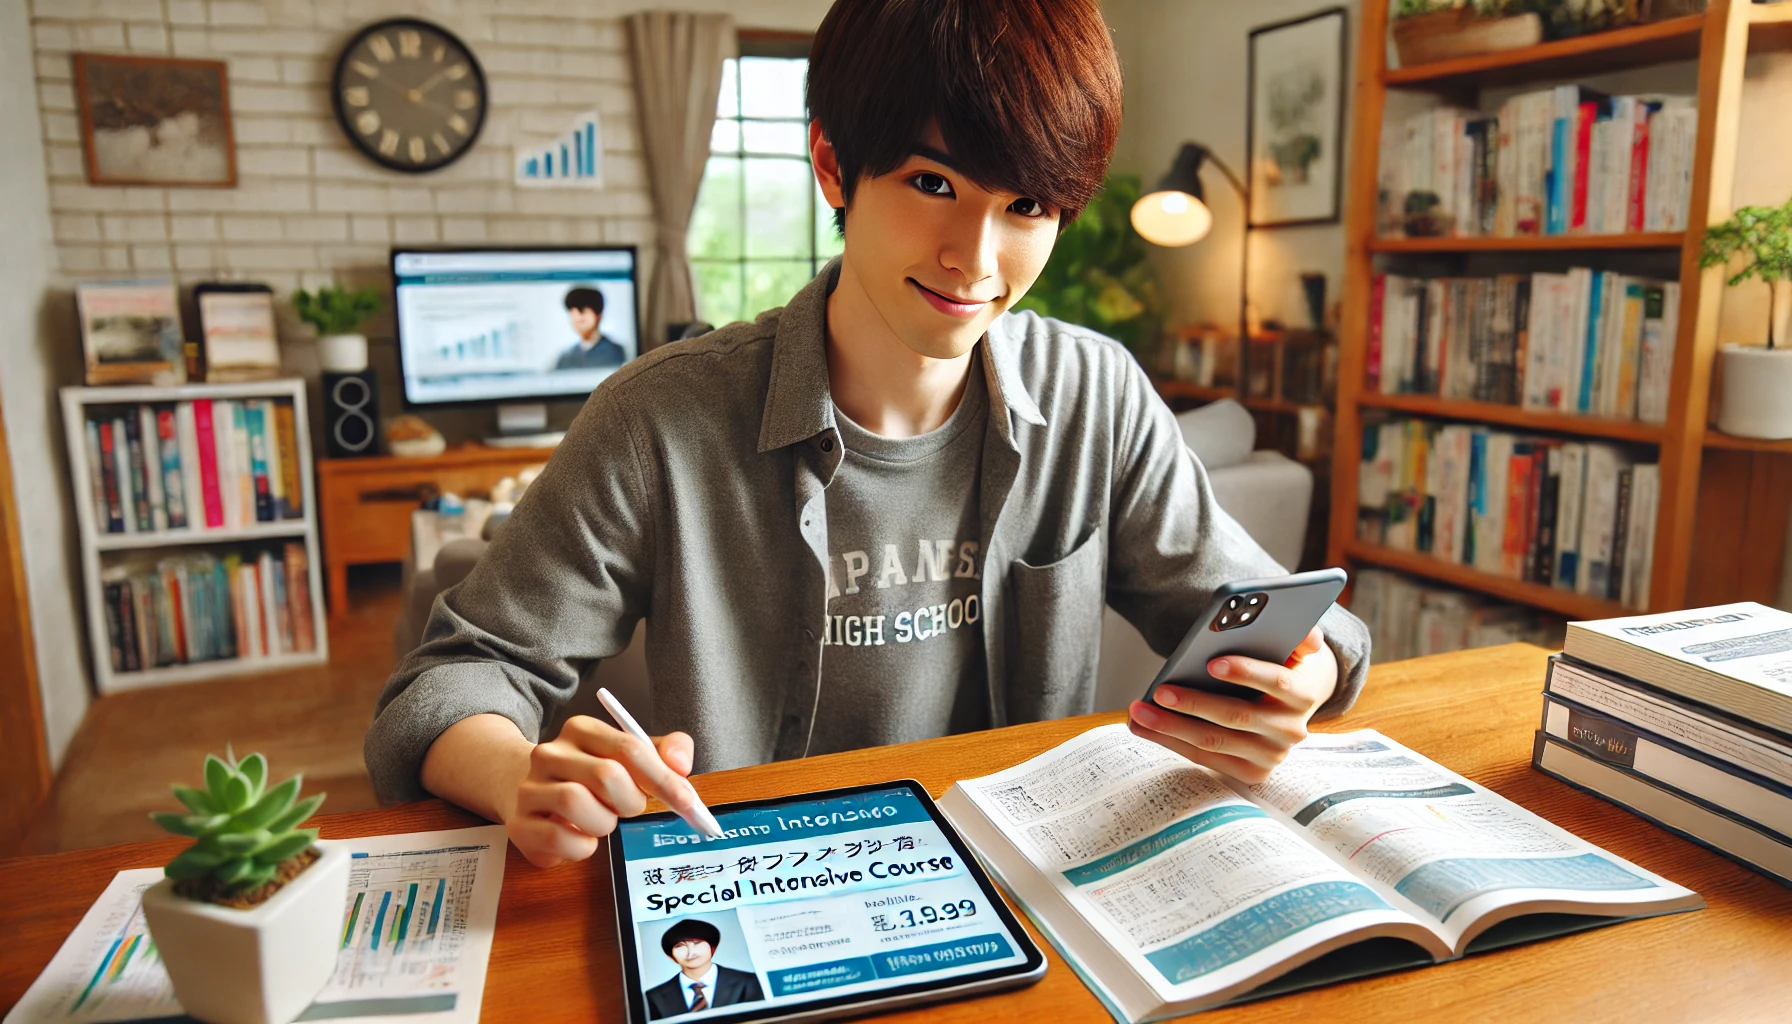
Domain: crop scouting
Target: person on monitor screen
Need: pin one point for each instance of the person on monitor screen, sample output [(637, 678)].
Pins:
[(593, 350), (700, 982), (893, 508)]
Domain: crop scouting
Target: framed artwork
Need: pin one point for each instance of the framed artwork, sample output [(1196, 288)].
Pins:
[(155, 121), (238, 340), (1295, 120), (130, 332)]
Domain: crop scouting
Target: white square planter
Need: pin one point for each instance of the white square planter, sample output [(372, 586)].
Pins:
[(1757, 392), (258, 966)]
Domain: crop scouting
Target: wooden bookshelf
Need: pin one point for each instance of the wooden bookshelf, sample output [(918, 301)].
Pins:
[(1719, 439), (1533, 243), (1633, 47), (1720, 40), (1516, 416), (1170, 388), (1537, 595)]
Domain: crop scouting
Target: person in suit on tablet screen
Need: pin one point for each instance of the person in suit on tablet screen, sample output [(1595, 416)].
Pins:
[(700, 982)]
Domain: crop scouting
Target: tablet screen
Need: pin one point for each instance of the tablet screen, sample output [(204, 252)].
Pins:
[(832, 898)]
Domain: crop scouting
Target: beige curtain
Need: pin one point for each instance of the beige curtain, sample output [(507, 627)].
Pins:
[(677, 58)]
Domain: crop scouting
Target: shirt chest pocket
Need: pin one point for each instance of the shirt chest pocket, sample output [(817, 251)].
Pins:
[(1054, 633)]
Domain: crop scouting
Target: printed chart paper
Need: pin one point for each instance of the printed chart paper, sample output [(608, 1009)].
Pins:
[(416, 936)]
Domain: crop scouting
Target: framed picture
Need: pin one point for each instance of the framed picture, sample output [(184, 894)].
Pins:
[(155, 121), (1295, 120), (236, 329), (130, 332)]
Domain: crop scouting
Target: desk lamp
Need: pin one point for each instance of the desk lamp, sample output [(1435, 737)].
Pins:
[(1175, 213)]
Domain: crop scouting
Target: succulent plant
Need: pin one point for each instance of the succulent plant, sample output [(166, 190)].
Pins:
[(243, 828)]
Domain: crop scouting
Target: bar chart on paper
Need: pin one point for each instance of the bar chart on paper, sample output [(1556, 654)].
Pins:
[(574, 160), (416, 934)]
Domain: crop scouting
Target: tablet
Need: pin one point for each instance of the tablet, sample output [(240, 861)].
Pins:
[(824, 905)]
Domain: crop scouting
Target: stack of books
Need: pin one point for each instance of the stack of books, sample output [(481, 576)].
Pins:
[(1684, 718), (204, 464), (1557, 161), (1580, 516), (203, 607), (1411, 618), (1595, 343)]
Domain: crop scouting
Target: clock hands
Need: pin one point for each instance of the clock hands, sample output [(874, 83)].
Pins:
[(416, 94)]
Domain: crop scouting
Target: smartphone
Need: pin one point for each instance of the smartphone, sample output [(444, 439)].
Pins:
[(1263, 619)]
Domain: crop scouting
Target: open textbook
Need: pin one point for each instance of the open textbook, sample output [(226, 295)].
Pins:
[(1171, 889), (416, 933)]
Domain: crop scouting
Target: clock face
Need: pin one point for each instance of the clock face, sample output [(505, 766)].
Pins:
[(410, 95)]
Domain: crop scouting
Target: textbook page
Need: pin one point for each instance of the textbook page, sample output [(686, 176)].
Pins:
[(417, 933), (1463, 856), (1199, 890)]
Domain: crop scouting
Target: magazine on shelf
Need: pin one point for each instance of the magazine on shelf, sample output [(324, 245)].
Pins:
[(1171, 889)]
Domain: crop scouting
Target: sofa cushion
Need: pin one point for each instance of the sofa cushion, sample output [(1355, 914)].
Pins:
[(1220, 433)]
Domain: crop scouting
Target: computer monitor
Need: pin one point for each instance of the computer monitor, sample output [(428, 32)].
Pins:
[(512, 326)]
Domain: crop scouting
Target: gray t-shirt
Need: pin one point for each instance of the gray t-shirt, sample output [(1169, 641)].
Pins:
[(903, 652)]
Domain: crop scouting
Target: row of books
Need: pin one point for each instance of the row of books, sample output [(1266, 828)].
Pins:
[(196, 465), (204, 607), (1580, 516), (1685, 719), (1410, 618), (1557, 161), (1596, 343)]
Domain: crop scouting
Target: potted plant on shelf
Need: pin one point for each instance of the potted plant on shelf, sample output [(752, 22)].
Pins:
[(338, 314), (248, 918), (1756, 395)]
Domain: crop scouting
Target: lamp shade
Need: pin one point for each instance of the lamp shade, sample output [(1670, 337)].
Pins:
[(1175, 212)]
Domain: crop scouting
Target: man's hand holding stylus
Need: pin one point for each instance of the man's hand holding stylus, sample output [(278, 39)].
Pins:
[(1243, 738)]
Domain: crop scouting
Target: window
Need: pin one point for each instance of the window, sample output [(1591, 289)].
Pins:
[(760, 229)]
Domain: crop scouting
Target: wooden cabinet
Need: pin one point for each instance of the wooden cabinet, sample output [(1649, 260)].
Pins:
[(365, 504)]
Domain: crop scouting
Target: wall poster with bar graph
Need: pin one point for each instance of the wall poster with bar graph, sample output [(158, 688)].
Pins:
[(575, 159), (416, 936)]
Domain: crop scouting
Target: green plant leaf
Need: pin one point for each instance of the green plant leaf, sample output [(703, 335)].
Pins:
[(258, 875), (237, 792), (272, 804), (217, 773), (234, 871), (193, 862), (300, 811), (287, 846), (255, 769), (243, 842), (196, 800), (179, 824)]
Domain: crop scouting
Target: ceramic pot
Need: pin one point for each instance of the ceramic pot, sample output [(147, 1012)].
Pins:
[(1757, 392), (263, 965), (342, 353)]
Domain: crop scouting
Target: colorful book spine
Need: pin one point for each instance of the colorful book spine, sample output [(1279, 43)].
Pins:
[(298, 593), (152, 468), (173, 484), (108, 470), (258, 462), (286, 427), (208, 462), (134, 468)]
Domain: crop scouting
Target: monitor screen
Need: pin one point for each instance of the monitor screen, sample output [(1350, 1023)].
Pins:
[(512, 324)]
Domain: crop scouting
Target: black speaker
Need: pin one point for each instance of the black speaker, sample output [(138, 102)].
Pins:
[(351, 414)]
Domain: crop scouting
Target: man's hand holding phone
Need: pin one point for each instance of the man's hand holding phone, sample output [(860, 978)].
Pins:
[(1245, 739)]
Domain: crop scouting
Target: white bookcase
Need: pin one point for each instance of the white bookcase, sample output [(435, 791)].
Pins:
[(97, 544)]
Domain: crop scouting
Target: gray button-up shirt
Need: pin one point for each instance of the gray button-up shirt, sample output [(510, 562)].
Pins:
[(690, 491)]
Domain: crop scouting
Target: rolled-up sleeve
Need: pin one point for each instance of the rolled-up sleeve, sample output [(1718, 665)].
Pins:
[(561, 586), (1171, 545)]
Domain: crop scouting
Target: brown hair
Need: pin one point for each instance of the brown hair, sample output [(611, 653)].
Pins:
[(1026, 93)]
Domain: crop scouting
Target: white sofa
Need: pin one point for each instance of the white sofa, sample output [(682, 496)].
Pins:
[(1268, 493)]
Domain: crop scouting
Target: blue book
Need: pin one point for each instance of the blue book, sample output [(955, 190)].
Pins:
[(1556, 192), (1477, 492), (1590, 355)]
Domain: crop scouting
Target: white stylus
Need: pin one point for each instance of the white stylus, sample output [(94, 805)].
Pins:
[(693, 811)]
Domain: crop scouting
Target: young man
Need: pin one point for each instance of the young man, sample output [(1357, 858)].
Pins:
[(585, 310), (893, 511), (700, 982)]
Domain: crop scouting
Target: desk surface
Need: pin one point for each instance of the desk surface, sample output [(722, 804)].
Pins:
[(555, 954)]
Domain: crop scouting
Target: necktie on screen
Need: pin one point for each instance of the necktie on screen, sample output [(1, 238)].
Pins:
[(697, 1000)]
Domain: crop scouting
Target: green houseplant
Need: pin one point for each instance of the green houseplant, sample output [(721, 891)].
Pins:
[(1099, 275), (338, 314), (1756, 395), (247, 916)]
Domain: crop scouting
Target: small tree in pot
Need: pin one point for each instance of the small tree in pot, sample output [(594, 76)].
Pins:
[(247, 918), (1756, 400)]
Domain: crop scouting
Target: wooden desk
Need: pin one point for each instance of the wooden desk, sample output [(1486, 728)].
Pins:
[(555, 955), (364, 505)]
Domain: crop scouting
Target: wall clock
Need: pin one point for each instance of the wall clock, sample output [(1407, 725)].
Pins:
[(409, 94)]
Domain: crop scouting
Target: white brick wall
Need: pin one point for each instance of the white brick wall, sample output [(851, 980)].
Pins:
[(308, 207)]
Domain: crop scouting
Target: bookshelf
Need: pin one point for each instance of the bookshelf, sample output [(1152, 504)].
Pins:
[(99, 548), (1720, 40)]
